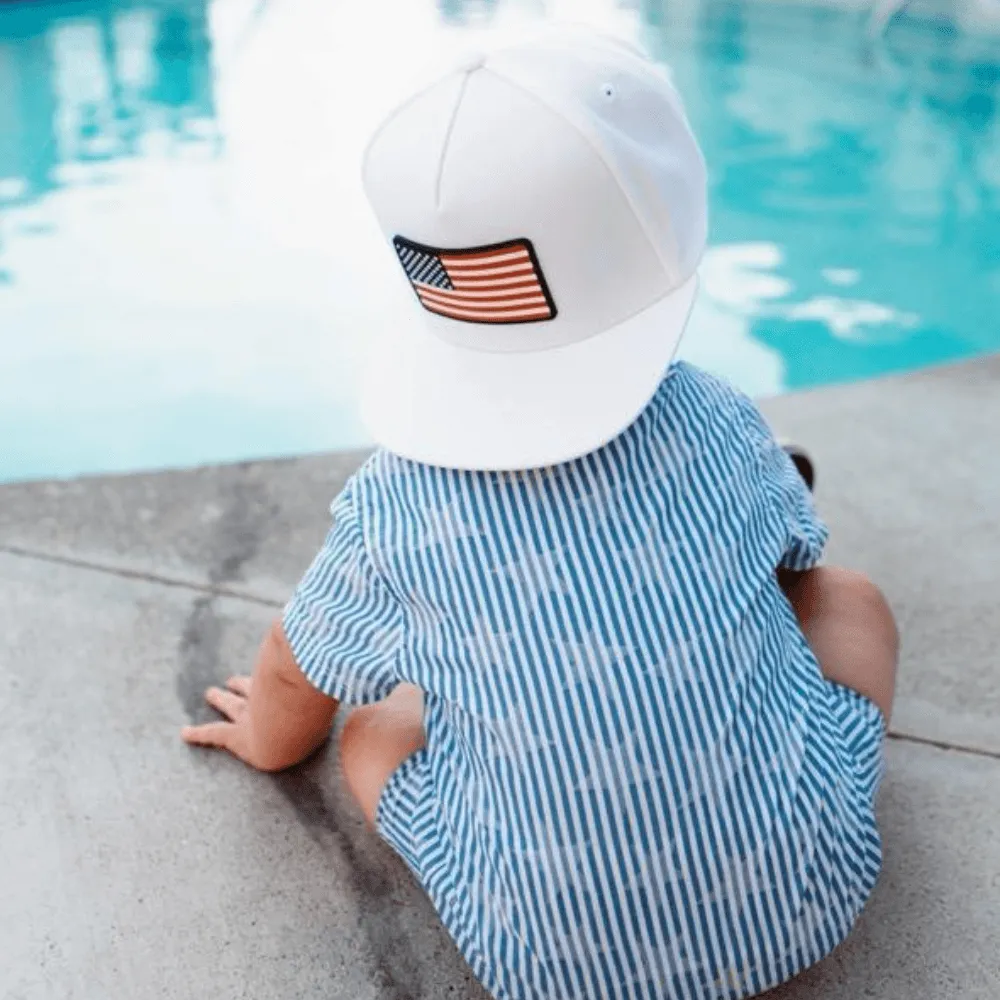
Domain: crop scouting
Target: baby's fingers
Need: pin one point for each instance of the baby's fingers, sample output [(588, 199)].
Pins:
[(232, 706), (221, 735), (231, 736)]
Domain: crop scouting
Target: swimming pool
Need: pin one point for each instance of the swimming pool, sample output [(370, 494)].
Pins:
[(187, 266)]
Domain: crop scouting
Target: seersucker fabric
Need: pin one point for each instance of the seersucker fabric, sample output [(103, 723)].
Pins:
[(636, 783)]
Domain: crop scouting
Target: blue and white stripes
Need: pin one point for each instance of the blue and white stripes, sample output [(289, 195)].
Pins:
[(636, 782)]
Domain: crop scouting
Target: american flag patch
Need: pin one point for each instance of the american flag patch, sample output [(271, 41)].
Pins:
[(496, 284)]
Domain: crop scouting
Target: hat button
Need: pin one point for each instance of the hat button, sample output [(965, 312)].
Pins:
[(472, 62)]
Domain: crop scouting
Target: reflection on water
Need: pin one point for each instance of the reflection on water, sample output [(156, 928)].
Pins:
[(187, 268), (87, 82), (884, 166)]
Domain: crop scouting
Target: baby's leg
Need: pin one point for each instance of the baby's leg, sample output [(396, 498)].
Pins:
[(376, 739), (849, 625)]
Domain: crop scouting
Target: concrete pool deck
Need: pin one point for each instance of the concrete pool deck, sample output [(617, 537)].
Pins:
[(132, 867)]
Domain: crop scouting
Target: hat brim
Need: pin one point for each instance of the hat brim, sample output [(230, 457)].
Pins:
[(433, 402)]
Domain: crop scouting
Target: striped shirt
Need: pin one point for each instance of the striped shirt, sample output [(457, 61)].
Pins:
[(636, 782)]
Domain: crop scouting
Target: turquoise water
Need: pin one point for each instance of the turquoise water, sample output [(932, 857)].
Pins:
[(188, 270)]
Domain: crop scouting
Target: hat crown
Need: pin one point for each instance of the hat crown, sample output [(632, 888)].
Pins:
[(575, 145)]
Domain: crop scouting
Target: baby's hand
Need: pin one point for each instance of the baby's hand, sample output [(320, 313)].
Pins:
[(234, 735), (274, 720)]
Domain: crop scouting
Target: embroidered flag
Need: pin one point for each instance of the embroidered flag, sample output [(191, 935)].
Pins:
[(496, 284)]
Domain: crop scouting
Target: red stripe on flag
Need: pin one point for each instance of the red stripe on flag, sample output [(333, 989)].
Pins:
[(505, 254), (479, 305), (482, 298), (490, 315)]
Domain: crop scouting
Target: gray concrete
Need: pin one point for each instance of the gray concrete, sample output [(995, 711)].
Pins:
[(253, 527), (132, 867)]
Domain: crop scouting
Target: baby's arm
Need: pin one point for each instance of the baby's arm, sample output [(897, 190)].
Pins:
[(274, 719)]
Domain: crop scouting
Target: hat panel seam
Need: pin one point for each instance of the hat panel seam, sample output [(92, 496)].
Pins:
[(446, 144)]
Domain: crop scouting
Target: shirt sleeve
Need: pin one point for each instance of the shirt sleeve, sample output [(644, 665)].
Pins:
[(805, 533), (343, 625)]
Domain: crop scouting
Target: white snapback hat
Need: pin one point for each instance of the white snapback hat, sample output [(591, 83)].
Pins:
[(547, 204)]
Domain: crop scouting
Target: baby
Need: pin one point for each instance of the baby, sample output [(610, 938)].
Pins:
[(622, 729)]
